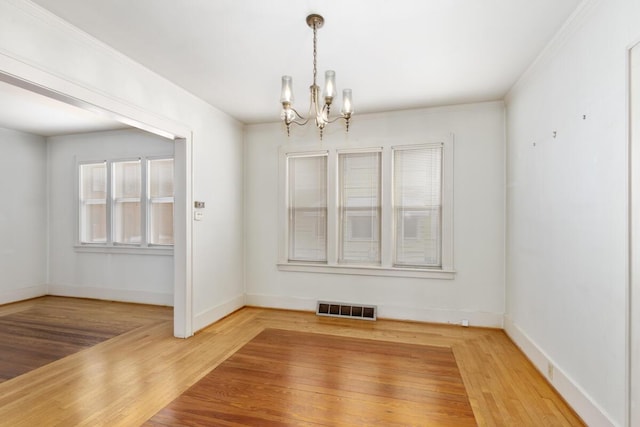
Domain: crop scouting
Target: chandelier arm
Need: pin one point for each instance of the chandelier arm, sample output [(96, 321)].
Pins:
[(295, 122), (298, 114), (335, 119)]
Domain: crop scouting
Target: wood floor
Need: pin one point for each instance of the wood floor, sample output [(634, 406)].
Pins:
[(299, 378), (126, 380), (35, 334)]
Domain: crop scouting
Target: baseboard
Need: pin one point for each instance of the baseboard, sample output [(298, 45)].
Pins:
[(21, 294), (588, 410), (385, 311), (110, 294), (208, 317)]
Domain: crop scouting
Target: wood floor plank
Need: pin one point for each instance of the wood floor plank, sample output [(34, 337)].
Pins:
[(127, 379)]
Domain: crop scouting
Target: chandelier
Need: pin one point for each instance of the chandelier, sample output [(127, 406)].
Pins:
[(320, 113)]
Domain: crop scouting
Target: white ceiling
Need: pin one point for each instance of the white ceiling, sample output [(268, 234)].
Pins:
[(393, 54), (27, 111)]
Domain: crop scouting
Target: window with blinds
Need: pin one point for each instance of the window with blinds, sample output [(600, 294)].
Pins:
[(127, 191), (417, 206), (126, 203), (161, 200), (359, 207), (307, 208), (93, 202)]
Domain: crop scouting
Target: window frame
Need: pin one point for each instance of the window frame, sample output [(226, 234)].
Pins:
[(144, 247), (387, 229)]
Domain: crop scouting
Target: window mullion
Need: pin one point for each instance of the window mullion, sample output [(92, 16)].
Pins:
[(387, 237), (144, 205), (332, 208), (110, 202)]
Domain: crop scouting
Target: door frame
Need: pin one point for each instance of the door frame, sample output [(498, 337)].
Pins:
[(39, 81)]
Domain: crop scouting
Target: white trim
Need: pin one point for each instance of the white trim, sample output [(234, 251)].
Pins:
[(125, 249), (415, 314), (576, 397), (21, 294), (111, 294), (212, 315), (367, 270)]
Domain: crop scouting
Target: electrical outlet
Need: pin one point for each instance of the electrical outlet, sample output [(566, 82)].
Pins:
[(465, 323), (550, 371)]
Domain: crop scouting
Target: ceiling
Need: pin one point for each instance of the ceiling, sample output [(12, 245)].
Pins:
[(393, 54), (26, 111)]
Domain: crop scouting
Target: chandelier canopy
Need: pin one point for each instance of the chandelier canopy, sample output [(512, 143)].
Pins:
[(320, 113)]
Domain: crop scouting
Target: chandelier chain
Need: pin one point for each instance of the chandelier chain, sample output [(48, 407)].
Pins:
[(315, 52)]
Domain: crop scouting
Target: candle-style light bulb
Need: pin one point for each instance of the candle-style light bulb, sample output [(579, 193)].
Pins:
[(287, 90), (347, 105), (329, 86)]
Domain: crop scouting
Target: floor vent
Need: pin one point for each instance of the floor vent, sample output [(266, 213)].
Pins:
[(354, 311)]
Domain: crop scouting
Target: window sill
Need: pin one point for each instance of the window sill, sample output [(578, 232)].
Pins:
[(126, 250), (368, 271)]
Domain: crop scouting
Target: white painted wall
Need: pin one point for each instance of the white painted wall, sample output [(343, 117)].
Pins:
[(23, 216), (146, 279), (567, 257), (37, 46), (476, 293)]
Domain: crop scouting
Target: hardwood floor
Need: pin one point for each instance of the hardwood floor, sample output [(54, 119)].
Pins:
[(33, 334), (300, 378), (125, 380)]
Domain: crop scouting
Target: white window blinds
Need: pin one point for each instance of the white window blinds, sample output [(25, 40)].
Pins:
[(93, 202), (417, 205), (127, 190), (161, 201), (307, 208), (359, 207)]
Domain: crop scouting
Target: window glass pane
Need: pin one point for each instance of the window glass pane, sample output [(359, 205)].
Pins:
[(126, 222), (359, 207), (417, 201), (161, 178), (161, 224), (127, 180), (93, 203), (307, 208), (127, 185)]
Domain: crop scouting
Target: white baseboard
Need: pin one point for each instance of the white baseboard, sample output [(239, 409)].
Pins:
[(206, 318), (475, 318), (109, 294), (588, 410), (21, 294)]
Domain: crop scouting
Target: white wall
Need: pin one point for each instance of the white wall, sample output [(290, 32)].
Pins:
[(23, 216), (39, 47), (146, 279), (567, 257), (476, 293)]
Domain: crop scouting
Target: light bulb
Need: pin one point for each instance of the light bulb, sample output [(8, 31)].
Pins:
[(287, 90)]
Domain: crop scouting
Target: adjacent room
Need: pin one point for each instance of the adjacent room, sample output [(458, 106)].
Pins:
[(360, 213)]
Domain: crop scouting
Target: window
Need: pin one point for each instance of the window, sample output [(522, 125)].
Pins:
[(127, 190), (93, 202), (359, 207), (368, 210), (160, 202), (126, 203), (307, 213), (417, 206)]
